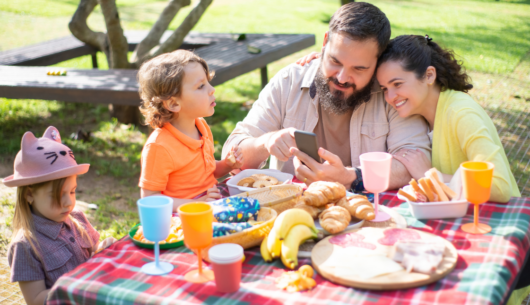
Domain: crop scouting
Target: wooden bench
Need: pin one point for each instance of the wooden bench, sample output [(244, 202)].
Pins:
[(228, 58)]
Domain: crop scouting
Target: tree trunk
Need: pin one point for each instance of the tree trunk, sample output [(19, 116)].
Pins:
[(114, 43), (342, 2)]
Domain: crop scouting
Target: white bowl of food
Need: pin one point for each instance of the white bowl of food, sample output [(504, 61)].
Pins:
[(437, 209), (429, 198), (253, 179)]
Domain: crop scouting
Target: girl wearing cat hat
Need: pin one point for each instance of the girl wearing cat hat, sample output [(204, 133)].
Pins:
[(50, 238)]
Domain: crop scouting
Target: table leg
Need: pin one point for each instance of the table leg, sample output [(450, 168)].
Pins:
[(94, 60), (264, 77)]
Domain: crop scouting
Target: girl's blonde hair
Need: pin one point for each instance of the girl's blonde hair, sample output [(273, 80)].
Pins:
[(23, 219), (160, 79)]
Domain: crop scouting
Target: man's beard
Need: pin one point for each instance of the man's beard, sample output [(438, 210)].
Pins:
[(336, 102)]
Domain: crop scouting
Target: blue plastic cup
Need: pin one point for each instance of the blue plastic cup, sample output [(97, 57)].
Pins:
[(155, 217)]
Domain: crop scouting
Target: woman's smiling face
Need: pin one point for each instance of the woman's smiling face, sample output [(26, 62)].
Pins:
[(402, 89)]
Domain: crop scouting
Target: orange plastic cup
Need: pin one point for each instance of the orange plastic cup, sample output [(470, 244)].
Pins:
[(197, 219), (477, 177)]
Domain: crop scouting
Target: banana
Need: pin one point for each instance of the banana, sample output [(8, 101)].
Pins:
[(297, 236), (291, 218), (274, 245), (264, 251)]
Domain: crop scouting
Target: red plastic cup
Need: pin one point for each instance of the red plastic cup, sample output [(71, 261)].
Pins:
[(226, 260)]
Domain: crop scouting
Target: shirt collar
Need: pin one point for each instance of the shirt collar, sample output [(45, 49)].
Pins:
[(49, 227), (191, 143)]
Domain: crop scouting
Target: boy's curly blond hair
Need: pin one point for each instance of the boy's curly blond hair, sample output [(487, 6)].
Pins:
[(160, 79)]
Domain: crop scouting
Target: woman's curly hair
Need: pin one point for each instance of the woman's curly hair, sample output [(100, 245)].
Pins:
[(160, 79), (416, 53)]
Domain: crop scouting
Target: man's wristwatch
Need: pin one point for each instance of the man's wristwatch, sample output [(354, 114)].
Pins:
[(357, 185)]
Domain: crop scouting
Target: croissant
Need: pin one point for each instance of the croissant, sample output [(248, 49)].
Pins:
[(320, 193), (358, 206), (335, 219), (313, 211)]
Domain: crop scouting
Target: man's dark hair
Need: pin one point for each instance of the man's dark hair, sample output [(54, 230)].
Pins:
[(361, 21)]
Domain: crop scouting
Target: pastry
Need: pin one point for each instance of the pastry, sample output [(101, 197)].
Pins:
[(358, 206), (247, 182), (232, 158), (335, 219), (272, 180), (320, 193), (313, 211), (261, 184)]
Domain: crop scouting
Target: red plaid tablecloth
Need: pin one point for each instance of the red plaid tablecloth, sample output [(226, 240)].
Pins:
[(487, 267)]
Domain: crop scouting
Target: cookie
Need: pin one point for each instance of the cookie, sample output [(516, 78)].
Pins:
[(246, 182), (272, 180), (261, 184)]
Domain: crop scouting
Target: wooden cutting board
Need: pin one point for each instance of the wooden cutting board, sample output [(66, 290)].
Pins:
[(396, 221), (327, 260)]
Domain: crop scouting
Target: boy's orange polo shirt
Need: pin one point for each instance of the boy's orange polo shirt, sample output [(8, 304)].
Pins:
[(176, 164)]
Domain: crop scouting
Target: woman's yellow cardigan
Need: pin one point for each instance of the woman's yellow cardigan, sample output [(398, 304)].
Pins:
[(463, 131)]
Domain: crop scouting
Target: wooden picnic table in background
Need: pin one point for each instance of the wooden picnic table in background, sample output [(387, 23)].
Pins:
[(229, 58)]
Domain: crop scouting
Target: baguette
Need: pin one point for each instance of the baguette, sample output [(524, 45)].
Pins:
[(426, 189), (433, 175), (407, 195), (437, 189)]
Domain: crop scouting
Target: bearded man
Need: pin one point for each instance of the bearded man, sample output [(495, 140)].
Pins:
[(337, 98)]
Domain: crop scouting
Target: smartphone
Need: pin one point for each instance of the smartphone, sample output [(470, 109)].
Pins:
[(307, 143)]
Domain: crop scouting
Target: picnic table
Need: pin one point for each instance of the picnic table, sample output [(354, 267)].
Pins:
[(229, 58), (486, 272)]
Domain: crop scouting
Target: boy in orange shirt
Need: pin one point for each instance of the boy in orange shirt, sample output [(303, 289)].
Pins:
[(178, 158)]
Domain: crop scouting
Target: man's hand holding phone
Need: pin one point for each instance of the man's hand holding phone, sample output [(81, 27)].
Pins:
[(331, 170), (280, 142)]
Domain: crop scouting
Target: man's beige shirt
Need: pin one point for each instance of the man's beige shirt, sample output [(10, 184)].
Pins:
[(286, 102)]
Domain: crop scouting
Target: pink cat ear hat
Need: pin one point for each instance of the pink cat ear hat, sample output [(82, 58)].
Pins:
[(43, 159)]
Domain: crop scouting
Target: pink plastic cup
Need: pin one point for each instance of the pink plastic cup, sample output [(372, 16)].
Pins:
[(226, 261)]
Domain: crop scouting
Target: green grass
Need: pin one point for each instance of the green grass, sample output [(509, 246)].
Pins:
[(491, 37)]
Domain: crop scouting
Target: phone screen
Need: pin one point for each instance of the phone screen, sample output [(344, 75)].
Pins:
[(307, 143)]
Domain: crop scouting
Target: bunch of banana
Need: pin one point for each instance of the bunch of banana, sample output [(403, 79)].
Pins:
[(291, 229)]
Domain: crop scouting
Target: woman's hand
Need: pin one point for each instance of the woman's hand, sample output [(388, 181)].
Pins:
[(234, 159), (212, 194), (416, 162), (308, 58)]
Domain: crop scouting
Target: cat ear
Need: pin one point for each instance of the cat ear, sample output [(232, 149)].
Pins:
[(28, 139), (53, 134)]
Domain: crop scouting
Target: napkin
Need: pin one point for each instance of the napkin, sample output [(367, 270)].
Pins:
[(235, 209), (223, 229)]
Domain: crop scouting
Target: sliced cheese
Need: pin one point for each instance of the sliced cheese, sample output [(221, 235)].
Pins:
[(368, 267)]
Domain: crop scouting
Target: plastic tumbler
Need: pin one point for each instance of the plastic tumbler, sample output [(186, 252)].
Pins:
[(226, 261), (155, 217)]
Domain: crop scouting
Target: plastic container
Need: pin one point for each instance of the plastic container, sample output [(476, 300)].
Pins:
[(436, 210), (234, 189), (226, 261)]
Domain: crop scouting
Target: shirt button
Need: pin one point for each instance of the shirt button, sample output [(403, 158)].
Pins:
[(72, 239)]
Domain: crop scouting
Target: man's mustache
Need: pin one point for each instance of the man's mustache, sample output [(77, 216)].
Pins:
[(343, 85)]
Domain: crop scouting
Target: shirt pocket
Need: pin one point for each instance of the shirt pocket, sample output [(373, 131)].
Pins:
[(373, 136), (56, 263)]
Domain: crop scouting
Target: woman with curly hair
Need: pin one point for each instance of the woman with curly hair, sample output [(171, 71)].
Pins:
[(418, 77), (178, 158)]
